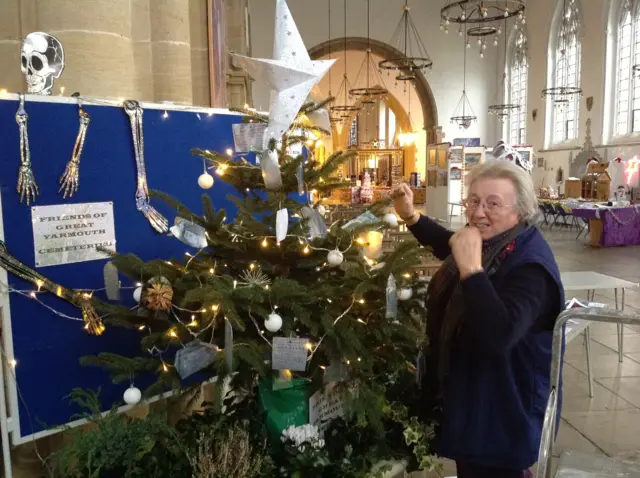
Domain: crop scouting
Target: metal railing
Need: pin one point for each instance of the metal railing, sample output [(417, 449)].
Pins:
[(592, 314)]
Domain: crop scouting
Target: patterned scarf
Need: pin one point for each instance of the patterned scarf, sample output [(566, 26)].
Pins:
[(444, 294)]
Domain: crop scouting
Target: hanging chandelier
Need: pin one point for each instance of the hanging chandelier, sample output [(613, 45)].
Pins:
[(366, 89), (407, 40), (503, 111), (480, 12), (345, 110), (408, 138), (463, 115), (482, 33), (562, 94)]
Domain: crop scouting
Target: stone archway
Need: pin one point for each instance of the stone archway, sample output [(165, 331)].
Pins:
[(423, 90)]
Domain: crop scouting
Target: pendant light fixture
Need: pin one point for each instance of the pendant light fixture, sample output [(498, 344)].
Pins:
[(503, 110), (407, 40), (366, 89), (409, 137), (333, 118), (480, 12), (562, 94), (463, 115), (345, 110)]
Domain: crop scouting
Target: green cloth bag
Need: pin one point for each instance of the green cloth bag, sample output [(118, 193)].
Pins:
[(284, 407)]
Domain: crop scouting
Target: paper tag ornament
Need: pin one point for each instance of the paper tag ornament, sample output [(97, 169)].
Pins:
[(228, 343), (282, 224), (367, 218), (195, 356), (111, 281), (191, 234), (392, 298), (289, 354), (317, 226), (325, 405), (247, 137), (336, 371), (300, 178), (270, 169)]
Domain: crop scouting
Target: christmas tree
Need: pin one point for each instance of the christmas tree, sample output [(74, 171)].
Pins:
[(308, 321), (229, 302)]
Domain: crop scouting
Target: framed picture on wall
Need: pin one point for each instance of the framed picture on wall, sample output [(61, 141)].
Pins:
[(442, 178), (456, 174), (432, 157), (432, 178), (471, 159)]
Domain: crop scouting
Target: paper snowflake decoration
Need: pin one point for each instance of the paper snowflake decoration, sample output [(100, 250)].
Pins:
[(254, 277)]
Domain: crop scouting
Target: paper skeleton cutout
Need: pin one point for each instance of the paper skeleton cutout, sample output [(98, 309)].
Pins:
[(42, 58), (504, 152)]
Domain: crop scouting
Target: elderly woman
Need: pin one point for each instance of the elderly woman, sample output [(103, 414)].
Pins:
[(491, 311)]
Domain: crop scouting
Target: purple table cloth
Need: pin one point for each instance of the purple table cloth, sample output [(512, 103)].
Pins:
[(621, 225)]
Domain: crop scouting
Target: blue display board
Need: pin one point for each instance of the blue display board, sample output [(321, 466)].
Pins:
[(47, 348)]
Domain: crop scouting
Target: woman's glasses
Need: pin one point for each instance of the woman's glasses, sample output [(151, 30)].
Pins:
[(491, 206)]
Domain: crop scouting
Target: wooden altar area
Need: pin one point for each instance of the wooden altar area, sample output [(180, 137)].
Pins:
[(386, 168)]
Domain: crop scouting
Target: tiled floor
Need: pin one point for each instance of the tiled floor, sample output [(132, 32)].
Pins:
[(609, 423)]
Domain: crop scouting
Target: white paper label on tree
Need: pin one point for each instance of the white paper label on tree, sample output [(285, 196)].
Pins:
[(69, 233), (282, 224), (325, 405), (289, 354), (271, 169), (248, 136)]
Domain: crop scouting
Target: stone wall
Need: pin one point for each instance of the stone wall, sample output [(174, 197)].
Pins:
[(149, 50)]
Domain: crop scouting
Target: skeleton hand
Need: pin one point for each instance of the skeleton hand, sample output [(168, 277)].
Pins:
[(27, 187), (70, 179), (157, 220)]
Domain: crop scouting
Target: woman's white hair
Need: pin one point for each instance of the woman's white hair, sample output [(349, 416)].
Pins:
[(526, 200)]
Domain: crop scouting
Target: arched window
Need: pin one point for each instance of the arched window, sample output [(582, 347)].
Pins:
[(627, 115), (565, 70), (517, 73)]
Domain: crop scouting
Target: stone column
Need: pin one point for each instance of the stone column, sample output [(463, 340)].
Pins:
[(11, 78), (238, 81), (199, 14), (171, 50), (143, 83), (217, 46), (96, 40)]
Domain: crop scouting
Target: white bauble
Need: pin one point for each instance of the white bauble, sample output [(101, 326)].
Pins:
[(391, 219), (405, 294), (335, 258), (137, 294), (205, 181), (321, 210), (132, 395), (273, 323)]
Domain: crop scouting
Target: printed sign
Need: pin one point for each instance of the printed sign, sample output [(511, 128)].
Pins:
[(289, 354), (248, 136), (325, 405), (69, 233), (470, 142)]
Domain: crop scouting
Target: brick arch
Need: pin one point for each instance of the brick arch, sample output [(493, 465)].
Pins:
[(423, 90)]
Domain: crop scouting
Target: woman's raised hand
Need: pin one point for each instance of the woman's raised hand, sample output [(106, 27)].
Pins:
[(403, 201)]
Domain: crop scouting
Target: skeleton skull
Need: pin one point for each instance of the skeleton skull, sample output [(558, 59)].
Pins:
[(42, 62)]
